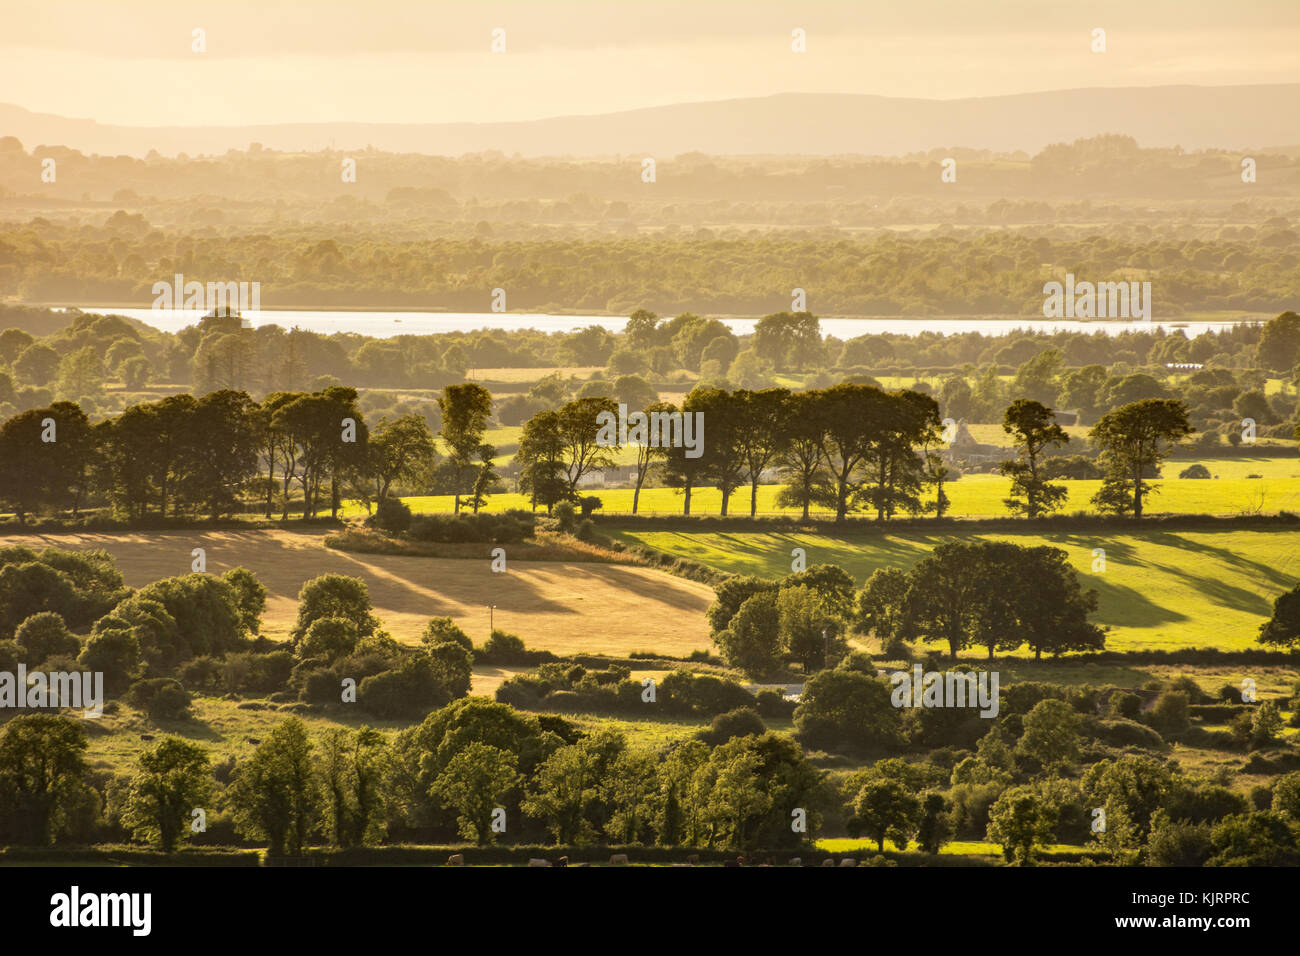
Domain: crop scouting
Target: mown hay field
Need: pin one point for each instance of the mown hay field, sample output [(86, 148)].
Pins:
[(564, 607)]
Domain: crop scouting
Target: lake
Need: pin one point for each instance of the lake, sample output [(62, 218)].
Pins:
[(381, 324)]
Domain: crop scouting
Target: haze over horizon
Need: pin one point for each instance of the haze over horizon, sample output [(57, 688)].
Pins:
[(293, 61)]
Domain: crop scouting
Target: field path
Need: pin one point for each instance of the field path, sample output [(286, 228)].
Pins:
[(565, 607)]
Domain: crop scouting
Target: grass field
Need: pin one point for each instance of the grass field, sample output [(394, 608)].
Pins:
[(565, 607), (1160, 589), (976, 496)]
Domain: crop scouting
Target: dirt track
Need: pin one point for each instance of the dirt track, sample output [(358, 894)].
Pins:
[(563, 607)]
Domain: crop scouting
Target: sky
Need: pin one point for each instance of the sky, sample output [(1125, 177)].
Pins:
[(132, 62)]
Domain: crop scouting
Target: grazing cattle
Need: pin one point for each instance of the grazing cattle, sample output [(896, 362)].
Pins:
[(536, 862), (562, 861), (456, 859), (828, 862), (848, 862), (796, 861), (693, 858), (618, 859)]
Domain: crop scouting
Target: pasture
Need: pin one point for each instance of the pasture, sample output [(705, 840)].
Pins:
[(1159, 590)]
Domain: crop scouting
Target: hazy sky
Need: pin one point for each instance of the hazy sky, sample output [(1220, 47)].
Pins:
[(270, 61)]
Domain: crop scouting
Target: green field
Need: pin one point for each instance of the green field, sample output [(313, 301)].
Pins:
[(1159, 590), (979, 496)]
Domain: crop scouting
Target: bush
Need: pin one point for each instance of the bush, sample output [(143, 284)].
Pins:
[(503, 648), (772, 703), (410, 691), (44, 635), (701, 694), (251, 673), (392, 516), (440, 630), (741, 722), (1125, 705), (586, 530), (564, 515), (1195, 471), (162, 698), (1128, 733), (1169, 715), (484, 527)]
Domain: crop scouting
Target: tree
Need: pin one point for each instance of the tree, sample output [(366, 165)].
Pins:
[(629, 790), (788, 339), (335, 596), (172, 779), (401, 452), (474, 783), (752, 640), (46, 455), (44, 635), (846, 710), (806, 625), (1021, 821), (1134, 440), (648, 452), (250, 597), (1138, 784), (737, 799), (1254, 839), (760, 433), (221, 453), (274, 794), (352, 770), (881, 605), (885, 808), (1033, 428), (1051, 735), (541, 451), (42, 772), (465, 411), (934, 828), (679, 469), (800, 460), (1279, 343), (1283, 628), (566, 782)]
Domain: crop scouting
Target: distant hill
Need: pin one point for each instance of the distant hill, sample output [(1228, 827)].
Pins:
[(1194, 117)]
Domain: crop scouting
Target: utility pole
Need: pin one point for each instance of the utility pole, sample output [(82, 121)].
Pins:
[(491, 629)]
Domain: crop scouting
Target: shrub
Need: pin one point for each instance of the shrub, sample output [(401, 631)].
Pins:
[(1125, 705), (485, 527), (44, 635), (503, 648), (1169, 715), (701, 694), (162, 698), (1128, 733), (564, 515), (440, 630), (410, 691), (772, 703), (1195, 471), (392, 516), (741, 722)]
